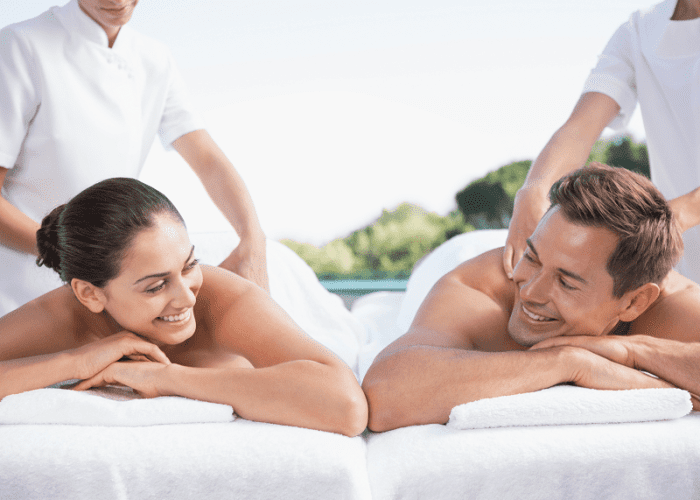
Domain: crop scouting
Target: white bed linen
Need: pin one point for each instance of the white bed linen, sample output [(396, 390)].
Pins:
[(241, 459), (653, 460)]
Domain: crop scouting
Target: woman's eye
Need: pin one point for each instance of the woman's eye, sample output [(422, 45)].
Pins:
[(156, 288), (192, 264)]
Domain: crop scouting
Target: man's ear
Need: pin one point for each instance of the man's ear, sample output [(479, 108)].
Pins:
[(639, 300), (89, 295)]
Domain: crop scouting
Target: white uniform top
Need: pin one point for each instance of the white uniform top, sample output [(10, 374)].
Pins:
[(74, 112), (656, 61)]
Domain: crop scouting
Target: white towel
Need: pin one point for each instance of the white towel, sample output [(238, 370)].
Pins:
[(107, 406), (566, 404)]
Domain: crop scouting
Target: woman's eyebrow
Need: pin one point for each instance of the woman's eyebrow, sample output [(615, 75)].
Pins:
[(163, 275)]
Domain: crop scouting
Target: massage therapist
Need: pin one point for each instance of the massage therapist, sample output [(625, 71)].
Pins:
[(82, 98)]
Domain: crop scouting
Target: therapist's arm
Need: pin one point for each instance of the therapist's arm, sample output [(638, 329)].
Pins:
[(567, 150), (686, 209), (17, 230), (228, 191)]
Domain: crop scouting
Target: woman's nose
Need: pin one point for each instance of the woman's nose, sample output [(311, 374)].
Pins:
[(184, 297)]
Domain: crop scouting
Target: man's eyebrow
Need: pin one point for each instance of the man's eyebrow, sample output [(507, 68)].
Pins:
[(532, 247), (163, 275), (570, 274)]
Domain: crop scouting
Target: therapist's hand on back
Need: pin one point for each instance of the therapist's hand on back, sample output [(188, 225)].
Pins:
[(250, 262), (530, 205)]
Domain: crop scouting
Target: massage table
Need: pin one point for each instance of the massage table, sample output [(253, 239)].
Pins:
[(72, 451)]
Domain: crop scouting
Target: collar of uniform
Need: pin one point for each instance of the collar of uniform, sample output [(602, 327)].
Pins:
[(668, 39), (78, 23)]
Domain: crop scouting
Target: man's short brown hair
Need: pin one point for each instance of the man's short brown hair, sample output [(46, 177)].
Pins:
[(630, 206)]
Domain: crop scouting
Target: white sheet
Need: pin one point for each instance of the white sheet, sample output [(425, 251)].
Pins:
[(653, 460), (241, 459), (568, 404)]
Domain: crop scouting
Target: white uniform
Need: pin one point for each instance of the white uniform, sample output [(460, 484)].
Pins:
[(74, 112), (656, 62)]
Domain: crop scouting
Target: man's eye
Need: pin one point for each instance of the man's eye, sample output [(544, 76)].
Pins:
[(566, 285)]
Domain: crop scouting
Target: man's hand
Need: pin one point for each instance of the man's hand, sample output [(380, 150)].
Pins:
[(617, 349), (250, 263), (587, 369), (530, 206)]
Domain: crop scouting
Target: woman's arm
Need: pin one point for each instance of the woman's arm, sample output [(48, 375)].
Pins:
[(47, 341), (294, 380)]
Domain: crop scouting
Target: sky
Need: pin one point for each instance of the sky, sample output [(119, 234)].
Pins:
[(334, 110)]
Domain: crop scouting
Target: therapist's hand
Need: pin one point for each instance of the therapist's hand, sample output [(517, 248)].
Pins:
[(530, 206), (249, 261)]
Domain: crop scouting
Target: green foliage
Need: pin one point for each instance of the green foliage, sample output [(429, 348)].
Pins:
[(386, 249), (390, 247), (488, 202)]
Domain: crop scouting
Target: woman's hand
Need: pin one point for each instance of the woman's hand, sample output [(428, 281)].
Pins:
[(249, 262), (144, 377), (93, 358)]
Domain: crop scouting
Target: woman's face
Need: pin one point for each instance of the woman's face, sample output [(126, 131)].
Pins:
[(157, 286)]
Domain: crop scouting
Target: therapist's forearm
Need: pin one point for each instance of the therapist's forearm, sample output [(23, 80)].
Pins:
[(17, 230), (567, 150), (222, 182), (686, 209)]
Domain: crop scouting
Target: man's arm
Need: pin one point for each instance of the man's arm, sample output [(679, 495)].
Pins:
[(434, 367), (664, 341), (17, 230), (227, 189), (567, 150)]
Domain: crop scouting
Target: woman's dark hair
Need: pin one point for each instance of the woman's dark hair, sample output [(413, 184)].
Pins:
[(88, 237)]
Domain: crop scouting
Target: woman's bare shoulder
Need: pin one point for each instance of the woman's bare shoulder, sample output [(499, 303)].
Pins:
[(53, 322)]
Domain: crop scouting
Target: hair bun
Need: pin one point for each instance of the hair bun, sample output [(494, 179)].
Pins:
[(47, 240)]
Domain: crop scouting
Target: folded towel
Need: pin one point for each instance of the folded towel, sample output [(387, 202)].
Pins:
[(567, 404), (107, 406)]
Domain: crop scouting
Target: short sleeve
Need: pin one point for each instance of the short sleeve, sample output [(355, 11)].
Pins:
[(614, 74), (18, 94), (178, 117)]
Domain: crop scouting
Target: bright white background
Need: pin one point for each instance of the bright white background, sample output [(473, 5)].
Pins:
[(333, 110)]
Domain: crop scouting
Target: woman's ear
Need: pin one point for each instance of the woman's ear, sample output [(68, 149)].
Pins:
[(639, 300), (89, 295)]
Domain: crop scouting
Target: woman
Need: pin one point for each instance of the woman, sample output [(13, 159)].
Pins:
[(141, 312)]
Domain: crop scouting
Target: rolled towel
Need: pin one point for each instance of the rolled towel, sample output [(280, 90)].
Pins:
[(107, 406), (566, 404)]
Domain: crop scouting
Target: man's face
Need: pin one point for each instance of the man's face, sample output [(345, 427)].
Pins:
[(563, 285), (110, 14)]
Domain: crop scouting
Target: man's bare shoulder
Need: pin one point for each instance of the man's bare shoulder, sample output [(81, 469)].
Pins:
[(485, 273), (675, 314)]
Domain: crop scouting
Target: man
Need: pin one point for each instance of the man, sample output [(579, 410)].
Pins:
[(651, 59), (592, 302), (81, 99)]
